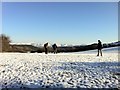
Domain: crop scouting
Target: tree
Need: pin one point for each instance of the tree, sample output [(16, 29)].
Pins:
[(4, 43)]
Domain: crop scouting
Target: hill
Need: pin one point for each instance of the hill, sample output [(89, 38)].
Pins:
[(76, 48)]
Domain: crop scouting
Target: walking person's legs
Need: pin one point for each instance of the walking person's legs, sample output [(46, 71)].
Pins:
[(101, 52), (98, 53), (46, 51), (56, 51)]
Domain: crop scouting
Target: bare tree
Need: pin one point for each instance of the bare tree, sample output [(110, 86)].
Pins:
[(4, 43)]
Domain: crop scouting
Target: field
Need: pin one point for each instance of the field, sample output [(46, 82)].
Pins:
[(62, 70)]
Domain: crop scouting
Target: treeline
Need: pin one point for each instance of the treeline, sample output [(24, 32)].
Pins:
[(33, 49), (5, 46)]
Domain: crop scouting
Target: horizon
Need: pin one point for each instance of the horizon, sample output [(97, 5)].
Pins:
[(60, 44), (60, 22)]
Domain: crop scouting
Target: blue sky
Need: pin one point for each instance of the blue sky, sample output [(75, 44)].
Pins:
[(60, 22)]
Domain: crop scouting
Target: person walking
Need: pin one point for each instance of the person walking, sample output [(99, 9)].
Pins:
[(46, 48), (54, 48), (99, 47)]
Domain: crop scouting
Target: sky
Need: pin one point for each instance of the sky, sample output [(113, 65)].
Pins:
[(60, 22)]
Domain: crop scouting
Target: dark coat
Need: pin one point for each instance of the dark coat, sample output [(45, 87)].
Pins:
[(46, 45), (99, 45), (54, 46)]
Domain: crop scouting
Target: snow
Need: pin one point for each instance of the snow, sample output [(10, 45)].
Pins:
[(21, 43), (62, 70)]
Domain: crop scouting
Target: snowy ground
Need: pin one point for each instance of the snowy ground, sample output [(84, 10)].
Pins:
[(63, 70)]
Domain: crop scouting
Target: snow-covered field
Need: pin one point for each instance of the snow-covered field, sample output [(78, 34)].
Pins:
[(62, 70)]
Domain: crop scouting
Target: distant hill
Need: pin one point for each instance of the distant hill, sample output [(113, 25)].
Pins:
[(76, 48)]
